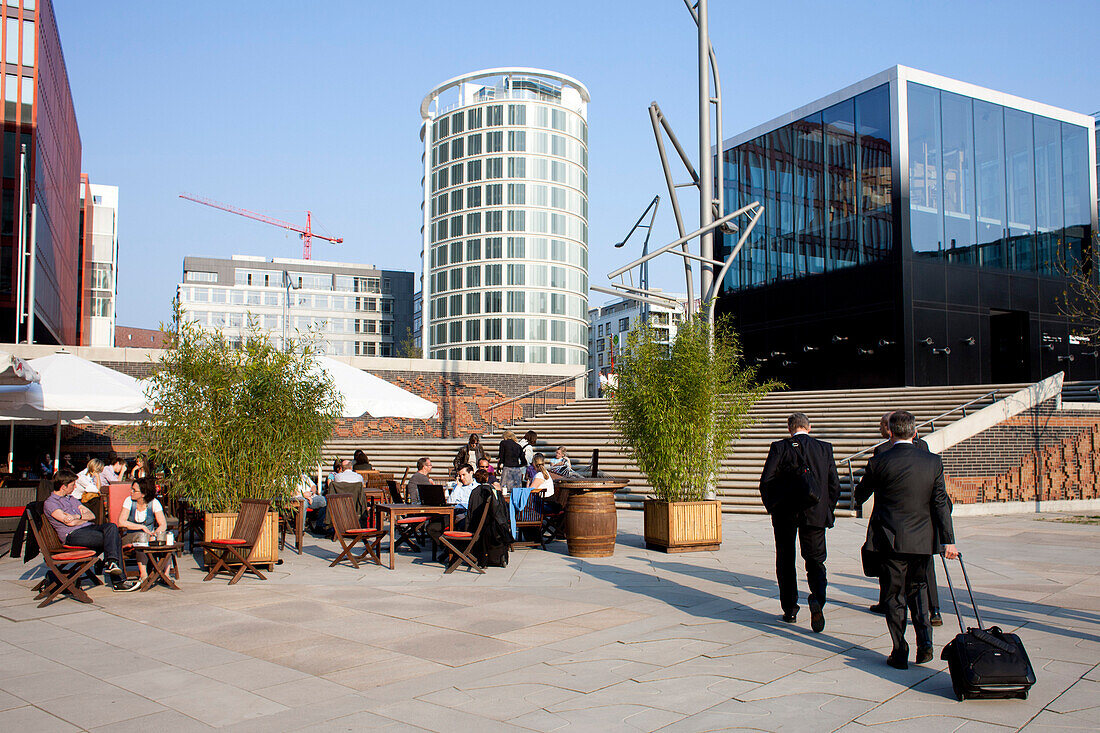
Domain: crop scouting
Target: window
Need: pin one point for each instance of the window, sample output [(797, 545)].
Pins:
[(473, 249), (473, 330), (492, 329), (473, 304), (557, 119), (624, 324), (492, 353), (516, 328), (517, 193), (387, 306), (455, 331), (493, 221), (443, 178), (515, 274), (516, 247), (11, 47), (456, 174), (473, 171), (517, 167), (516, 303), (196, 276), (387, 328), (494, 142), (494, 194), (473, 118), (473, 197), (494, 115), (443, 127), (473, 144), (517, 221), (494, 168), (457, 148), (493, 275), (473, 222), (517, 114), (456, 278), (493, 302), (442, 153), (385, 349), (473, 353), (515, 353), (456, 123), (456, 198), (28, 44), (517, 141), (599, 330), (557, 145), (473, 276)]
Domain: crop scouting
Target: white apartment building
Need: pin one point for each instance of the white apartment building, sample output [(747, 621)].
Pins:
[(356, 310), (505, 218), (610, 324), (100, 267)]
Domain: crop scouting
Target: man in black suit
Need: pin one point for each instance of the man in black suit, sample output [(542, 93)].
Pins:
[(780, 487), (911, 507), (933, 587)]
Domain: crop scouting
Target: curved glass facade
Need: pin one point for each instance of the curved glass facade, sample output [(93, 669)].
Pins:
[(506, 222)]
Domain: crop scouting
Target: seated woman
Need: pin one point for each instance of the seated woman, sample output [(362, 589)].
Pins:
[(142, 516), (136, 469), (89, 481), (360, 462), (561, 464), (544, 482)]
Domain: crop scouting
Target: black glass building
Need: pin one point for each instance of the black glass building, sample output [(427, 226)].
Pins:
[(916, 232)]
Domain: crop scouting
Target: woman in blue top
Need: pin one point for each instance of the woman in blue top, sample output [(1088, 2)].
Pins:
[(143, 517)]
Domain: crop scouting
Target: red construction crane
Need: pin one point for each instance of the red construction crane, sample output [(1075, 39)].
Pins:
[(306, 235)]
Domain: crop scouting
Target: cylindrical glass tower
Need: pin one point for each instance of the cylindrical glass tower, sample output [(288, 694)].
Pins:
[(506, 218)]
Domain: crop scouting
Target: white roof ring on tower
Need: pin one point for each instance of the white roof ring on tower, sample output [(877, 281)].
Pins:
[(502, 71)]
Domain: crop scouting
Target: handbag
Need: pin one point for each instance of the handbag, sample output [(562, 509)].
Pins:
[(872, 562)]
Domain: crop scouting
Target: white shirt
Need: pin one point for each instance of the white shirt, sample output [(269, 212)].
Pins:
[(350, 477), (547, 485), (85, 484), (460, 493), (139, 515)]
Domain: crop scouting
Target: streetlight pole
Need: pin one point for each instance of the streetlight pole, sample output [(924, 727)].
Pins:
[(706, 169)]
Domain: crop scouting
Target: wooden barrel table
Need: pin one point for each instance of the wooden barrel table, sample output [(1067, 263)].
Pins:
[(590, 520)]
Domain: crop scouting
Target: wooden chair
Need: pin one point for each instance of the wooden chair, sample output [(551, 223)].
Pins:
[(345, 525), (238, 546), (553, 525), (530, 518), (451, 539), (405, 529), (65, 565)]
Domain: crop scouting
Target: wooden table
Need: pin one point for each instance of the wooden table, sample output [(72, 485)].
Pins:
[(159, 557), (395, 511)]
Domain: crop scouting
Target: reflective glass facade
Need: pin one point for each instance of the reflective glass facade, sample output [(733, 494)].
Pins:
[(916, 231), (825, 182), (994, 186)]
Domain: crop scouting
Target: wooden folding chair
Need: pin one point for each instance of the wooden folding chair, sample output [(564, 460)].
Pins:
[(451, 539), (553, 525), (238, 546), (405, 529), (65, 565), (348, 533)]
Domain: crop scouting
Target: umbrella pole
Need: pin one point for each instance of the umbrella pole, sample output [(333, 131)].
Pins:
[(57, 446), (11, 448)]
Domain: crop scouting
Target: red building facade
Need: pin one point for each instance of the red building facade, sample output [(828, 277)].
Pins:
[(39, 114)]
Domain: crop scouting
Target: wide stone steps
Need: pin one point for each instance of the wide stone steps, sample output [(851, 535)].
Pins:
[(846, 418)]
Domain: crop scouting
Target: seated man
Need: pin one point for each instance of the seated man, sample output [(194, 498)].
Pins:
[(459, 492), (418, 479), (114, 468), (484, 465), (73, 523), (312, 499), (347, 475)]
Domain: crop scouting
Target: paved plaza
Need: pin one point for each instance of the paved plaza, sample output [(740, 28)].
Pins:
[(638, 642)]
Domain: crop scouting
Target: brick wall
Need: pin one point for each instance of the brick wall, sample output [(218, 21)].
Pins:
[(1041, 454)]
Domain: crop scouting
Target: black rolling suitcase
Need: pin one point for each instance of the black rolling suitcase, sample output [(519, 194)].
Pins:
[(985, 663)]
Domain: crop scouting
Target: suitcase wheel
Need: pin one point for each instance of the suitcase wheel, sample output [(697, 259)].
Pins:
[(959, 694), (1022, 695)]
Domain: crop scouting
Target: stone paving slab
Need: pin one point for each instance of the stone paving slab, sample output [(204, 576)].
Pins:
[(641, 641)]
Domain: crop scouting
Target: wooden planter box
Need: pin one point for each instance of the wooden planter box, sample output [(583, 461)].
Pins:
[(266, 552), (683, 526)]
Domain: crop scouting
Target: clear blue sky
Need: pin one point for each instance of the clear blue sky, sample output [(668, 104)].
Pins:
[(284, 106)]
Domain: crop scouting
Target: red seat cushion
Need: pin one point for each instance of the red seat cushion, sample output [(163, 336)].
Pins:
[(458, 535), (73, 547), (412, 520), (229, 542), (361, 531), (11, 511), (74, 555)]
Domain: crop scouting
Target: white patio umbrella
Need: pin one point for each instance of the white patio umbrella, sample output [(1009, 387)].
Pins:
[(366, 394), (15, 374), (75, 391)]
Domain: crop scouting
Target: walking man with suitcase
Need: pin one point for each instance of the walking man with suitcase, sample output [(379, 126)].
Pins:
[(797, 467), (911, 511)]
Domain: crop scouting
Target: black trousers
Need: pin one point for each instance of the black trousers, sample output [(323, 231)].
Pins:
[(811, 541), (99, 537), (904, 577), (933, 588)]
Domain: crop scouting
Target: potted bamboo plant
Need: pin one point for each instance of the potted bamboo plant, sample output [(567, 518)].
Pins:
[(237, 420), (677, 409)]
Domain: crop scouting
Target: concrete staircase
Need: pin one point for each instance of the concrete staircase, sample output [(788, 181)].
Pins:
[(1084, 391), (846, 418)]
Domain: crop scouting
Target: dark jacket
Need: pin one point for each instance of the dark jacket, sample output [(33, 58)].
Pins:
[(23, 540), (491, 547), (510, 454), (912, 512), (919, 442), (781, 469)]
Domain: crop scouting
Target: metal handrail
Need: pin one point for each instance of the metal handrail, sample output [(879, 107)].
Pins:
[(513, 401), (1096, 390), (932, 422)]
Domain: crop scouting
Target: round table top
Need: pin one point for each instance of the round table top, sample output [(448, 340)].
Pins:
[(589, 484)]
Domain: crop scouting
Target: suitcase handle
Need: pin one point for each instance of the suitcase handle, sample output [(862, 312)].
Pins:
[(969, 590)]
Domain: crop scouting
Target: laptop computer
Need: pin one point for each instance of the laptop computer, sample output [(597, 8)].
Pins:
[(432, 495)]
